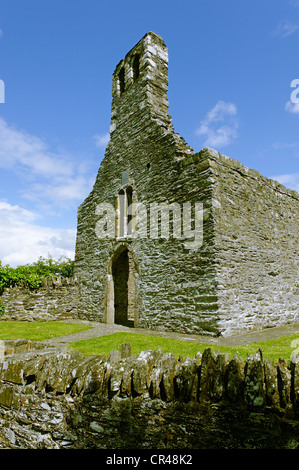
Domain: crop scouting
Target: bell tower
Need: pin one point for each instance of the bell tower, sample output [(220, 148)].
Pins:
[(140, 84)]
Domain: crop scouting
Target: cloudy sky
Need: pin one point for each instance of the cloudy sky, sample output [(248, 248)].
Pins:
[(233, 67)]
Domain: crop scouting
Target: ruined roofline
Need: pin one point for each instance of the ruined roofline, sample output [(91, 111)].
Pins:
[(208, 153), (139, 86), (152, 51), (186, 152), (150, 33)]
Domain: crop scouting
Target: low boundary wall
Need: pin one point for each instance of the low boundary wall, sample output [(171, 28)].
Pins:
[(53, 398), (55, 299)]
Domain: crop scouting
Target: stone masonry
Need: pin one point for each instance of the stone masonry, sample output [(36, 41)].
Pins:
[(55, 299), (241, 275), (59, 399)]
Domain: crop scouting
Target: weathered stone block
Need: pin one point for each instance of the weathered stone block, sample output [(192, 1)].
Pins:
[(13, 371), (271, 384), (218, 383), (295, 381), (6, 396), (254, 381), (235, 380), (284, 382), (125, 350), (186, 380), (206, 374)]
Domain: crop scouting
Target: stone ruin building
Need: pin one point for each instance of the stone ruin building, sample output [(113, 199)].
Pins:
[(170, 239)]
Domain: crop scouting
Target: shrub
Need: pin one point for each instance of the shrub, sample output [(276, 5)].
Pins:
[(32, 275)]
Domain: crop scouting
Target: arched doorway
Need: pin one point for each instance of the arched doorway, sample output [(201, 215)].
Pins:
[(122, 289), (120, 273)]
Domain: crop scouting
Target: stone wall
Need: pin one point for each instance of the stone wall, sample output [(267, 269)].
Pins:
[(255, 240), (56, 299), (59, 399)]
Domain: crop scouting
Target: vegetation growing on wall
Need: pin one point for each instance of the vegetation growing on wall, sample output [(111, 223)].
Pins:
[(32, 275)]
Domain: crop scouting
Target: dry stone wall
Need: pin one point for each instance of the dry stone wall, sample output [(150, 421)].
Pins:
[(61, 399), (56, 299)]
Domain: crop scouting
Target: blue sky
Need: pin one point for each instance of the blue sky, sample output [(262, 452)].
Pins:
[(231, 64)]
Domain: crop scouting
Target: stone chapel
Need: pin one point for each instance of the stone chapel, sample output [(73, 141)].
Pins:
[(171, 239)]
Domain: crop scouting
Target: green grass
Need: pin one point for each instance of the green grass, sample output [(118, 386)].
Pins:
[(272, 349), (37, 331)]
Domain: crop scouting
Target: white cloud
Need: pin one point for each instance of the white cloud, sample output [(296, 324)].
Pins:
[(101, 140), (284, 145), (53, 182), (290, 180), (1, 33), (18, 148), (64, 191), (54, 176), (219, 127), (292, 107), (285, 28), (22, 240)]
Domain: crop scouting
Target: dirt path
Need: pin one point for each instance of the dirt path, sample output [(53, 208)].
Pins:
[(102, 329)]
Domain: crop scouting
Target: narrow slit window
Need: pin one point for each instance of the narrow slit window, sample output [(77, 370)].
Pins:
[(121, 79), (129, 209), (136, 66), (125, 217), (121, 213)]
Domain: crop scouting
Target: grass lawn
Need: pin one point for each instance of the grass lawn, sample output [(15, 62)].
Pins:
[(272, 349), (37, 331)]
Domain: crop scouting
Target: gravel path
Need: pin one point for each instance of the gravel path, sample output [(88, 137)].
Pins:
[(102, 329)]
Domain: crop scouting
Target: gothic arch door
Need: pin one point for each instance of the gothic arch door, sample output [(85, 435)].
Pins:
[(121, 305)]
